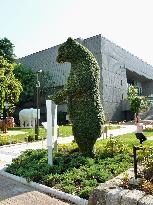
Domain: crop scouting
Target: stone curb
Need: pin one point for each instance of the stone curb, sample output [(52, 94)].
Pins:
[(109, 193), (59, 194)]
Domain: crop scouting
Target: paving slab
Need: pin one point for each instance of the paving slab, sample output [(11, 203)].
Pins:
[(15, 193)]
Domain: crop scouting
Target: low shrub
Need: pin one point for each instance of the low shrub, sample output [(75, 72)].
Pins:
[(72, 173), (30, 138)]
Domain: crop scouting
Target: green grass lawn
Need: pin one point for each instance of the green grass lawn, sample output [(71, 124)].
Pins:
[(64, 131), (113, 127), (12, 139)]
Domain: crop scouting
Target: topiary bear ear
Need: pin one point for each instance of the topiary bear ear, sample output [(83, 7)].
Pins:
[(70, 40)]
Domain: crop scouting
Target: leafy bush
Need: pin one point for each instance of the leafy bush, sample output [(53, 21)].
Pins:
[(147, 161), (72, 173), (137, 102), (114, 146), (30, 138)]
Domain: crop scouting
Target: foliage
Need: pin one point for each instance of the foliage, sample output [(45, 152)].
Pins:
[(113, 146), (147, 186), (137, 103), (125, 180), (147, 161), (10, 87), (47, 84), (82, 94), (7, 50), (28, 79), (30, 138), (72, 173)]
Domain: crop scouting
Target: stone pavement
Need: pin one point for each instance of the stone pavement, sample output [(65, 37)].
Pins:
[(15, 193)]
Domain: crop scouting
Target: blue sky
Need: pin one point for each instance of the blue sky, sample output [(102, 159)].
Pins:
[(34, 25)]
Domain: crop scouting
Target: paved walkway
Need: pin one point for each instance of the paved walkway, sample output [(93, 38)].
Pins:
[(12, 132), (15, 193)]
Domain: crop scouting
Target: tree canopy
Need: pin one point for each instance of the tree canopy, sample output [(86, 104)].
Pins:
[(137, 103), (27, 76), (10, 87), (7, 50)]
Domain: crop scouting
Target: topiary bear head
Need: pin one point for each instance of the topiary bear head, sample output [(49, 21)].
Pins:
[(67, 51)]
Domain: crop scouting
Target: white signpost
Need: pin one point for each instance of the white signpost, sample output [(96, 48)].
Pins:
[(51, 129)]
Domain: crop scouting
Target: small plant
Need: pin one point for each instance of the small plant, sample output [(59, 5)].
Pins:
[(148, 166), (30, 138), (147, 186), (125, 180), (114, 146)]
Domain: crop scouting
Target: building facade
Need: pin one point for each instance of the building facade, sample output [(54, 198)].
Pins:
[(119, 69)]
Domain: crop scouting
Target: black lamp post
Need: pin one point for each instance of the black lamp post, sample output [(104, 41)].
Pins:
[(37, 119)]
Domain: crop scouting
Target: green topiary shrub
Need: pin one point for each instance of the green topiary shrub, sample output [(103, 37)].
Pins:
[(81, 92)]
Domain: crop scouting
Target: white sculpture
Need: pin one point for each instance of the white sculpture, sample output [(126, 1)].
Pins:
[(27, 117)]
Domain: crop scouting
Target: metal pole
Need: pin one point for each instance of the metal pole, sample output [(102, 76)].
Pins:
[(36, 124), (37, 119), (135, 161)]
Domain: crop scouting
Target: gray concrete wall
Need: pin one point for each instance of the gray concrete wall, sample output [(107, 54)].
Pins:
[(114, 87), (46, 60), (114, 63)]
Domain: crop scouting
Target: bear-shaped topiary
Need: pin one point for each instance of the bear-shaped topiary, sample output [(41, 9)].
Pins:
[(82, 94)]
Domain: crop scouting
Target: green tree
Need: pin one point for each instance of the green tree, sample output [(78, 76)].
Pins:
[(10, 87), (27, 76), (7, 50), (82, 94), (137, 103), (28, 79)]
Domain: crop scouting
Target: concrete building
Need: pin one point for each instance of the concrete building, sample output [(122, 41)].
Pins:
[(119, 68)]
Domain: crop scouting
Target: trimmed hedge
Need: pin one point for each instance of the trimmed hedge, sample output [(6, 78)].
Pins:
[(82, 94)]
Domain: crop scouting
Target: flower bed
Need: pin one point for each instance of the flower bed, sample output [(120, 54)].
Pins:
[(71, 172)]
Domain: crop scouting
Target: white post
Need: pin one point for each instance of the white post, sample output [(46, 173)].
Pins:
[(55, 127), (49, 131)]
